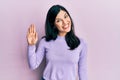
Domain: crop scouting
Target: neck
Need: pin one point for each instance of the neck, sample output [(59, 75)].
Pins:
[(62, 34)]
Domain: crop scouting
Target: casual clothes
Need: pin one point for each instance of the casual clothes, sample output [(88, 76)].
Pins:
[(61, 63)]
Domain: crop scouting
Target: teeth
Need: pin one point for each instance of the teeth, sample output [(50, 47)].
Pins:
[(66, 26)]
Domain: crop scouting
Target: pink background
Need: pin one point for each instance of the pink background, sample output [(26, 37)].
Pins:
[(97, 21)]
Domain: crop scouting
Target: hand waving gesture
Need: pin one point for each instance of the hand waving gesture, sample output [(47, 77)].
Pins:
[(32, 36)]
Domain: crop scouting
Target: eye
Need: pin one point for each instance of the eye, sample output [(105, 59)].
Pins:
[(66, 16), (58, 20)]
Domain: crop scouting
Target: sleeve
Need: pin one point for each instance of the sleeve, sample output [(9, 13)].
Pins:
[(36, 57), (82, 64)]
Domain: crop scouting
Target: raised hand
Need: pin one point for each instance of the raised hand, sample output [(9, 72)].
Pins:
[(32, 36)]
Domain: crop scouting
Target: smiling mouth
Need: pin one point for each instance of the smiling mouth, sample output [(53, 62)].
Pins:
[(66, 27)]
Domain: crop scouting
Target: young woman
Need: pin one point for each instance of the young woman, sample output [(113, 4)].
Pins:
[(64, 52)]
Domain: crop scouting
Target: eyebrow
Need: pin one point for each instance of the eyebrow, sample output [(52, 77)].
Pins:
[(65, 14)]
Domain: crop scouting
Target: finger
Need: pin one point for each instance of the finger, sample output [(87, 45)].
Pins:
[(27, 36), (28, 33), (36, 35), (30, 29), (34, 29)]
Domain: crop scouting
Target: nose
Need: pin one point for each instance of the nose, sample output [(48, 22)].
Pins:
[(65, 22)]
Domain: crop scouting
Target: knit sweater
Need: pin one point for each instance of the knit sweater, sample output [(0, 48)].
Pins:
[(61, 62)]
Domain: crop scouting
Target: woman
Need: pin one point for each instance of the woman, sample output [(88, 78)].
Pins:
[(64, 52)]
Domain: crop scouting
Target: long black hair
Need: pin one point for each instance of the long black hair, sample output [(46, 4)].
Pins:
[(51, 32)]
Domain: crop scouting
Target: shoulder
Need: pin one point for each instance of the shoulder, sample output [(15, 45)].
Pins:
[(83, 42), (83, 47), (42, 41)]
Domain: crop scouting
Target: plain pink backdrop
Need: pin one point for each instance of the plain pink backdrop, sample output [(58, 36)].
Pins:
[(97, 21)]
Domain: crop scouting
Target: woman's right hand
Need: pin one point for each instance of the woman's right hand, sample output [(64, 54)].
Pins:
[(32, 36)]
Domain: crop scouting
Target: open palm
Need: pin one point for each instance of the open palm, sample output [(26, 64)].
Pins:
[(32, 36)]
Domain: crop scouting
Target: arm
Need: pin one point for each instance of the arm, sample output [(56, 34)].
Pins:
[(82, 65), (36, 57)]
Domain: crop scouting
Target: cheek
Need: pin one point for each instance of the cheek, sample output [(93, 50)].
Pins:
[(69, 20), (59, 26)]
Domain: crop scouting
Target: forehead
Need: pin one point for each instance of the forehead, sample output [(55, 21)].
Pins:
[(61, 14)]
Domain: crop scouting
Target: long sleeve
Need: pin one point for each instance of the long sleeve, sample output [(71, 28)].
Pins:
[(36, 57), (82, 65)]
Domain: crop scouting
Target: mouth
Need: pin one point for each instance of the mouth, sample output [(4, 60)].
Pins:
[(66, 26)]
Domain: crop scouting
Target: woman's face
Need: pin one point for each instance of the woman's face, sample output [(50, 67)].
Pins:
[(63, 23)]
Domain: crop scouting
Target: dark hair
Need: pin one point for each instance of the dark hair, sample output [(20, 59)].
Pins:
[(52, 32)]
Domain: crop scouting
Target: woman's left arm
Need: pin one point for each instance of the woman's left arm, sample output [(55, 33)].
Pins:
[(82, 64)]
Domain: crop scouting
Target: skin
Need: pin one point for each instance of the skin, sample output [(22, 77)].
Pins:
[(62, 23), (32, 35)]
